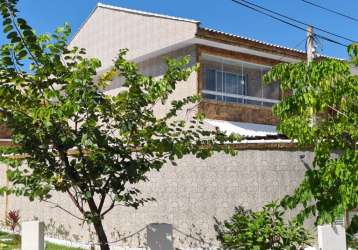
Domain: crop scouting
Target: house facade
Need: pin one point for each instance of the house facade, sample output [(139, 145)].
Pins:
[(195, 192)]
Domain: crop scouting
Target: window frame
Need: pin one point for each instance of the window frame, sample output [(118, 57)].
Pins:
[(242, 98)]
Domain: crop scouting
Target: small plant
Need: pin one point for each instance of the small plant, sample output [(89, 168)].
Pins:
[(13, 219), (351, 233), (261, 230)]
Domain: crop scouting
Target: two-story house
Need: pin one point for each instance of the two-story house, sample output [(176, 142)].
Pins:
[(235, 99)]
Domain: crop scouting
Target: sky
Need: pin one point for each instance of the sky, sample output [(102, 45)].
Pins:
[(224, 15)]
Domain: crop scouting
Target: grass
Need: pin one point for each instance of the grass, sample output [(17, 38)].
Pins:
[(13, 242), (9, 241), (50, 246)]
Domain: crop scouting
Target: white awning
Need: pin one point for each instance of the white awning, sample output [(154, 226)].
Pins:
[(5, 140), (242, 128)]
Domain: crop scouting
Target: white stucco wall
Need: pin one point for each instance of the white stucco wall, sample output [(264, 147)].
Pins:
[(188, 196), (109, 30), (156, 67)]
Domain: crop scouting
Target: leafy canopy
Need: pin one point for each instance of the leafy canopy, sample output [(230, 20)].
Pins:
[(71, 137), (322, 112)]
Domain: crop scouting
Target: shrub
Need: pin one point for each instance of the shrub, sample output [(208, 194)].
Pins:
[(13, 219), (261, 230), (351, 234)]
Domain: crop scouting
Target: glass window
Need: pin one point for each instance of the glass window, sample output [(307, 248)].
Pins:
[(237, 82), (210, 83), (224, 86)]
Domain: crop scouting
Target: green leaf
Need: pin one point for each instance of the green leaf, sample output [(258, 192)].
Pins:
[(22, 54), (8, 28), (12, 35)]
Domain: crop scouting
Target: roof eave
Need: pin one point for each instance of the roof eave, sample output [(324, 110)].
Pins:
[(145, 13), (231, 39)]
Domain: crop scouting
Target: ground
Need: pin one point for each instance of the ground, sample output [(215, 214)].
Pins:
[(12, 242)]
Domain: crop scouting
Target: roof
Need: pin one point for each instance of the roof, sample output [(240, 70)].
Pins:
[(215, 34), (248, 131), (211, 33), (254, 43), (218, 36), (300, 53), (145, 13), (243, 128)]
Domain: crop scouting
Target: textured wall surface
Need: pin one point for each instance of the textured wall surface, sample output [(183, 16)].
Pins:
[(237, 112), (107, 31), (156, 67), (189, 196)]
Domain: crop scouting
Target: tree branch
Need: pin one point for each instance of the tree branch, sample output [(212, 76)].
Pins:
[(101, 203), (109, 208), (104, 193), (75, 201), (22, 38), (63, 209)]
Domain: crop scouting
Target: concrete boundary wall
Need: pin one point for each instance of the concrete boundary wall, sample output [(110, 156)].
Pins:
[(188, 195)]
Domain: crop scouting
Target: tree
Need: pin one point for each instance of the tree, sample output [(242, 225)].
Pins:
[(71, 137), (322, 113), (261, 230)]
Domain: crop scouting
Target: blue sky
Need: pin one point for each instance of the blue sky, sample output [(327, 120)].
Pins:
[(224, 15)]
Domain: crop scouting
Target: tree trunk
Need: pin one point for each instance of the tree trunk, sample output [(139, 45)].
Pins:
[(102, 237), (98, 226)]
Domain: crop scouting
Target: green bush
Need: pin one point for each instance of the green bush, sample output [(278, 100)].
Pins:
[(261, 230), (352, 230)]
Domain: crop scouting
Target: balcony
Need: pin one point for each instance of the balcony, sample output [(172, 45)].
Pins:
[(234, 81), (233, 90)]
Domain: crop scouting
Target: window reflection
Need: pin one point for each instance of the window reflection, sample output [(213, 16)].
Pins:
[(236, 82)]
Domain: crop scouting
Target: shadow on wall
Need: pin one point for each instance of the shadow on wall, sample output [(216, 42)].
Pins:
[(60, 231), (195, 238), (136, 239), (163, 236), (155, 236)]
